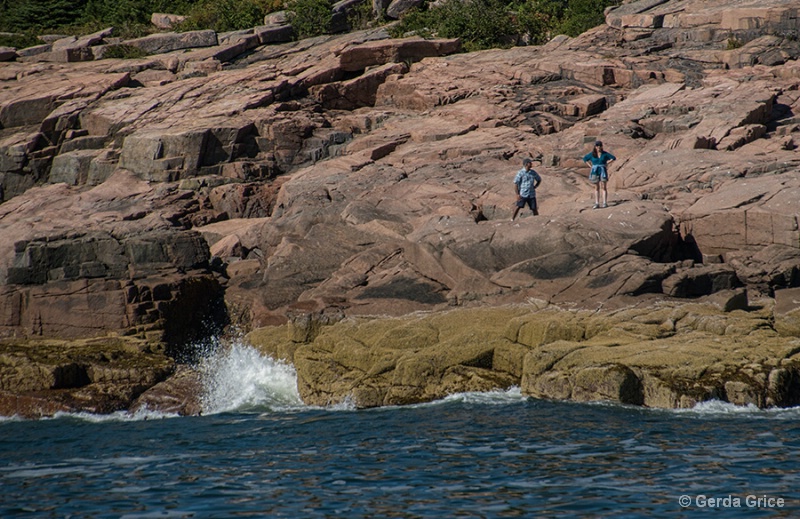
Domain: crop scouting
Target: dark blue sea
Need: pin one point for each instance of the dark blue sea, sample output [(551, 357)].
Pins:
[(259, 452)]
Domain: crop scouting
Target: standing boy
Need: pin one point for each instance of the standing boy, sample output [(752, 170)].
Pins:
[(525, 184)]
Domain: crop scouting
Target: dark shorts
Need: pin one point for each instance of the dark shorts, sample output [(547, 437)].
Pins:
[(530, 201)]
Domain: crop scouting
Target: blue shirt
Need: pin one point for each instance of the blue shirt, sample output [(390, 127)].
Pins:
[(602, 160), (526, 181)]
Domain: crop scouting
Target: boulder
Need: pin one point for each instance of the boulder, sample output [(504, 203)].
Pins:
[(179, 394), (224, 52), (787, 312), (35, 50), (631, 14), (700, 281), (277, 33), (396, 8), (96, 38), (121, 273), (357, 92), (160, 43), (8, 54), (166, 21), (276, 18), (373, 53), (741, 215), (72, 167)]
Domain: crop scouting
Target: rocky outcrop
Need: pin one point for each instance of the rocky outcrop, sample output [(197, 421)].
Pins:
[(128, 270), (41, 377), (664, 355), (233, 178), (166, 21)]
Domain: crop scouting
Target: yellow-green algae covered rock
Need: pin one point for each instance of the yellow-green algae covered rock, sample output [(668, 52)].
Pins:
[(40, 377), (666, 355)]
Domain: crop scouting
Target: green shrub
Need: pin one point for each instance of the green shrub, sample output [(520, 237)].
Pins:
[(419, 22), (309, 17), (39, 15), (499, 23), (361, 16), (226, 15), (20, 41), (582, 15), (734, 43), (124, 52), (480, 24), (539, 19)]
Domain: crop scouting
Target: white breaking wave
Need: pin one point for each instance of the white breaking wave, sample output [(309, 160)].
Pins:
[(511, 395), (239, 377), (117, 416), (497, 397), (720, 408)]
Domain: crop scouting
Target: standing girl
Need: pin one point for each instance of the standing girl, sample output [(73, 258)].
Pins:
[(599, 160)]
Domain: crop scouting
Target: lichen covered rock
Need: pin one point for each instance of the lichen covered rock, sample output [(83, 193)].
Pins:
[(667, 355)]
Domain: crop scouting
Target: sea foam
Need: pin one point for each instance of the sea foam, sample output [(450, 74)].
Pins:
[(238, 377)]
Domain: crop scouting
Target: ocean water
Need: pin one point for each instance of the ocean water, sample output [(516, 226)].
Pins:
[(259, 452)]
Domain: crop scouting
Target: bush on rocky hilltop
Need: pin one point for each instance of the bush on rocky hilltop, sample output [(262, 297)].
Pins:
[(228, 15), (310, 17), (480, 24), (19, 41), (130, 16), (483, 24), (22, 15)]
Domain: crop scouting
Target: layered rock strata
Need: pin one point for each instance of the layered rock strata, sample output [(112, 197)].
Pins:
[(238, 179)]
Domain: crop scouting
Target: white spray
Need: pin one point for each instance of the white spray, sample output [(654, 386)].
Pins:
[(238, 377)]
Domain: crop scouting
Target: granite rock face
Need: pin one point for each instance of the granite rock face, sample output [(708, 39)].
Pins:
[(234, 178), (108, 260), (663, 355)]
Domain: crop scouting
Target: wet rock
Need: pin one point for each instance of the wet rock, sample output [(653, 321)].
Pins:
[(180, 393), (41, 377), (667, 355)]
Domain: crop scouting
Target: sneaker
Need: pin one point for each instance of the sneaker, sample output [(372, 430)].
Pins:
[(595, 206), (604, 206)]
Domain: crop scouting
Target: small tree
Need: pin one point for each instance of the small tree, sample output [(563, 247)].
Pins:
[(226, 15), (539, 19), (582, 15), (481, 24), (21, 15), (310, 17)]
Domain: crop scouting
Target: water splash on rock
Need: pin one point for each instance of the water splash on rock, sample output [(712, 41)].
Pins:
[(239, 377)]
